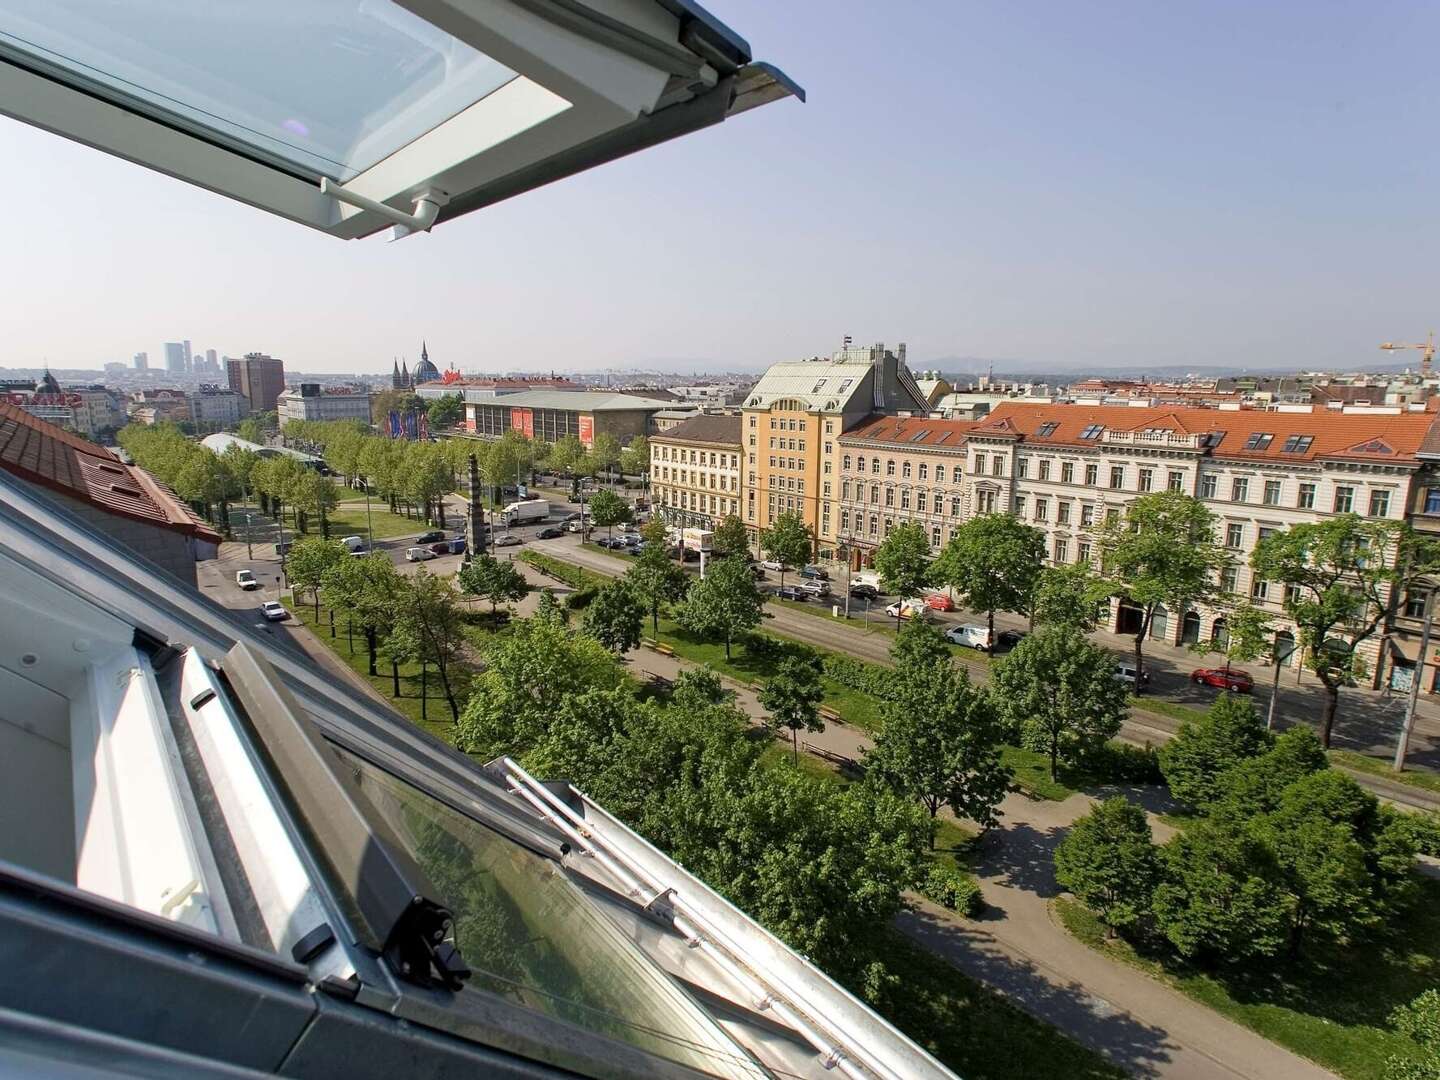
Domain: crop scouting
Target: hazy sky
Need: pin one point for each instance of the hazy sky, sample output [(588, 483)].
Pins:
[(1067, 183)]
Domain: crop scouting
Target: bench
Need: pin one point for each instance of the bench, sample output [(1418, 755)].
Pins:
[(830, 716), (844, 762)]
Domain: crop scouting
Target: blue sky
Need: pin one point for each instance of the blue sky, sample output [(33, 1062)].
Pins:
[(1068, 184)]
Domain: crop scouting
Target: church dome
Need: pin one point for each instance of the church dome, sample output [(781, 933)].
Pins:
[(424, 371), (48, 385)]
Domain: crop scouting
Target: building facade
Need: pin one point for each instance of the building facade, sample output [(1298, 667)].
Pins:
[(310, 402), (695, 471), (549, 415), (260, 378), (214, 406), (175, 357)]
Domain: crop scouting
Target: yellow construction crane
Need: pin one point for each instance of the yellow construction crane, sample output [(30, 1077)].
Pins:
[(1427, 352)]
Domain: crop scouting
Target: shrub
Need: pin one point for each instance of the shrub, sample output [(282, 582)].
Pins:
[(1124, 763), (858, 675), (581, 597), (953, 889), (1423, 829)]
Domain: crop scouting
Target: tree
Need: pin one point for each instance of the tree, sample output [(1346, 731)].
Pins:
[(903, 560), (364, 589), (605, 453), (310, 559), (445, 412), (788, 541), (1418, 1021), (792, 697), (1161, 552), (550, 609), (428, 626), (635, 458), (608, 509), (313, 494), (1059, 689), (940, 742), (496, 581), (921, 646), (1253, 786), (1068, 595), (614, 618), (1109, 862), (993, 561), (1247, 635), (566, 453), (1203, 751), (656, 578), (1338, 576), (731, 537), (724, 604)]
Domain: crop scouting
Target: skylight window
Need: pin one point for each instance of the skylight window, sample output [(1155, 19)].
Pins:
[(1047, 429), (1259, 440), (1092, 432), (920, 435), (943, 436), (1298, 444)]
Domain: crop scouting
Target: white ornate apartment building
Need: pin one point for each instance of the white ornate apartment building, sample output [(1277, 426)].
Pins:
[(695, 470), (1062, 468)]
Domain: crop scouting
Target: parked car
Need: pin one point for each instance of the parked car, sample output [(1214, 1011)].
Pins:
[(418, 554), (814, 573), (424, 538), (972, 637), (283, 547), (442, 548), (816, 589), (549, 533), (772, 564), (864, 591), (792, 592), (246, 579), (685, 554), (353, 544), (757, 572), (570, 517), (1008, 639), (1125, 672), (1221, 679), (940, 602), (457, 545), (508, 540), (575, 526), (909, 609), (274, 611)]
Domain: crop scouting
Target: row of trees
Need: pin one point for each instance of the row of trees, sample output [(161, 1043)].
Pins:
[(1286, 849)]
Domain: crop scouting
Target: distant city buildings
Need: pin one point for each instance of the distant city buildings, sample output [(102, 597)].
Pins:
[(175, 358), (313, 402), (260, 378), (141, 361), (216, 406), (91, 411)]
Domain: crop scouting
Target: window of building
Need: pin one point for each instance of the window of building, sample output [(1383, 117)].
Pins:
[(1044, 468), (800, 447), (905, 470), (920, 501), (1298, 444), (1112, 514), (955, 503), (772, 461), (829, 427), (905, 499), (1306, 499), (1234, 535), (997, 466), (934, 536), (979, 463), (752, 421), (1087, 514), (825, 489), (1229, 578), (924, 471), (1414, 604), (1046, 429), (986, 501), (1092, 432), (1092, 475), (875, 466), (958, 473), (1344, 500), (890, 467), (1117, 476), (1207, 486), (1082, 551), (1062, 550), (1272, 493), (875, 495), (874, 525), (1259, 589), (1062, 513), (859, 464), (1175, 481), (1147, 479), (1239, 489), (844, 520), (1022, 466), (1042, 509), (1067, 472), (1259, 440), (889, 496), (1432, 500), (845, 463), (1379, 504)]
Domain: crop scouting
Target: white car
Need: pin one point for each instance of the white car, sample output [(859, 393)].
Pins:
[(246, 579), (418, 554), (1125, 672), (772, 564), (507, 540), (575, 526), (353, 544), (815, 588), (274, 611), (972, 637), (913, 608)]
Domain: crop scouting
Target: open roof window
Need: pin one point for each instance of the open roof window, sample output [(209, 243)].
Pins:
[(1298, 444), (1047, 429), (350, 115), (1259, 440)]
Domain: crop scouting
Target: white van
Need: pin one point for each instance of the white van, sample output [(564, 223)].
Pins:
[(866, 577), (353, 543), (972, 637)]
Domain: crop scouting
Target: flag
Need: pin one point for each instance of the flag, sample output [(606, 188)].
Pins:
[(394, 424)]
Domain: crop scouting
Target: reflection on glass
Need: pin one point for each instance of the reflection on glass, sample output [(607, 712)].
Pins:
[(330, 86), (530, 936)]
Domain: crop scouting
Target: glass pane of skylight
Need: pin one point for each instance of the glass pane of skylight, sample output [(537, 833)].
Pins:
[(329, 87)]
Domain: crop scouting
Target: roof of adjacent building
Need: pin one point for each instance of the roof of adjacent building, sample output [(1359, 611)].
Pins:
[(828, 385), (717, 429), (912, 432), (1376, 437), (579, 401), (52, 457)]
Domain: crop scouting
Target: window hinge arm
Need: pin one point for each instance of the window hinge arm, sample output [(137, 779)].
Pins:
[(427, 206)]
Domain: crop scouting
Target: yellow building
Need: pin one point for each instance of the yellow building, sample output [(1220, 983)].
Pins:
[(793, 418)]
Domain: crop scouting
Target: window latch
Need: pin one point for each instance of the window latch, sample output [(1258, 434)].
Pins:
[(427, 208)]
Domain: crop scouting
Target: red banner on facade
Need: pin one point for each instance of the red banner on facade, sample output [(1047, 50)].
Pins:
[(523, 421), (587, 430)]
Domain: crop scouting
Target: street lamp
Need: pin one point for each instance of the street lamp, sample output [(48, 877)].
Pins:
[(1403, 746)]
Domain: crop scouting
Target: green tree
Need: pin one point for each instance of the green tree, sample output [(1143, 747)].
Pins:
[(496, 581), (1110, 863), (731, 537), (445, 412), (656, 578), (1161, 552), (566, 453), (1060, 691), (993, 561), (1069, 595), (1196, 760), (310, 559), (788, 541), (1418, 1021), (1249, 631), (635, 458), (364, 590), (605, 453), (428, 626), (1338, 576), (615, 617), (724, 604), (312, 495), (921, 646), (608, 509), (1253, 786), (550, 609), (792, 697), (940, 743), (903, 560)]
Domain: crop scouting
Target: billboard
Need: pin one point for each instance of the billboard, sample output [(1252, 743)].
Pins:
[(523, 421), (587, 430), (697, 539)]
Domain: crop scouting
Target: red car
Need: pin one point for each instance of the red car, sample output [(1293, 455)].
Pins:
[(1221, 679), (940, 602)]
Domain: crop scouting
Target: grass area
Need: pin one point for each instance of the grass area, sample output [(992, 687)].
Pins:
[(954, 843), (1381, 767), (1166, 708), (974, 1031), (1330, 1006), (1032, 774), (348, 519)]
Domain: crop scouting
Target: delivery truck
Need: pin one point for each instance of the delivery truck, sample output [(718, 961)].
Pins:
[(526, 511)]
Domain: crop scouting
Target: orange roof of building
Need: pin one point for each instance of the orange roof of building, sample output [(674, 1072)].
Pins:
[(918, 432), (39, 451), (1353, 436)]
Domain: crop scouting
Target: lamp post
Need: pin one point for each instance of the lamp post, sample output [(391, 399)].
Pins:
[(1403, 746)]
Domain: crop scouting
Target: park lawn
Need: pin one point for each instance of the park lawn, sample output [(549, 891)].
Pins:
[(348, 519), (1032, 774), (1349, 759), (1331, 1006), (1171, 709)]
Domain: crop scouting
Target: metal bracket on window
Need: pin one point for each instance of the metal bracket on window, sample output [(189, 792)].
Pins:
[(427, 207)]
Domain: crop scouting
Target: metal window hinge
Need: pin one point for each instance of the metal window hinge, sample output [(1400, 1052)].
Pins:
[(427, 207)]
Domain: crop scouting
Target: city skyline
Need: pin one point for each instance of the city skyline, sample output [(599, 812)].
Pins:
[(1063, 188)]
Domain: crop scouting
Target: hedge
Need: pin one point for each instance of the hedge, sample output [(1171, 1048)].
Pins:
[(872, 679), (953, 889)]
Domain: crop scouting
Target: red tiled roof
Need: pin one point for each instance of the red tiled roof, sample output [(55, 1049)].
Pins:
[(1355, 436), (44, 454), (918, 432)]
